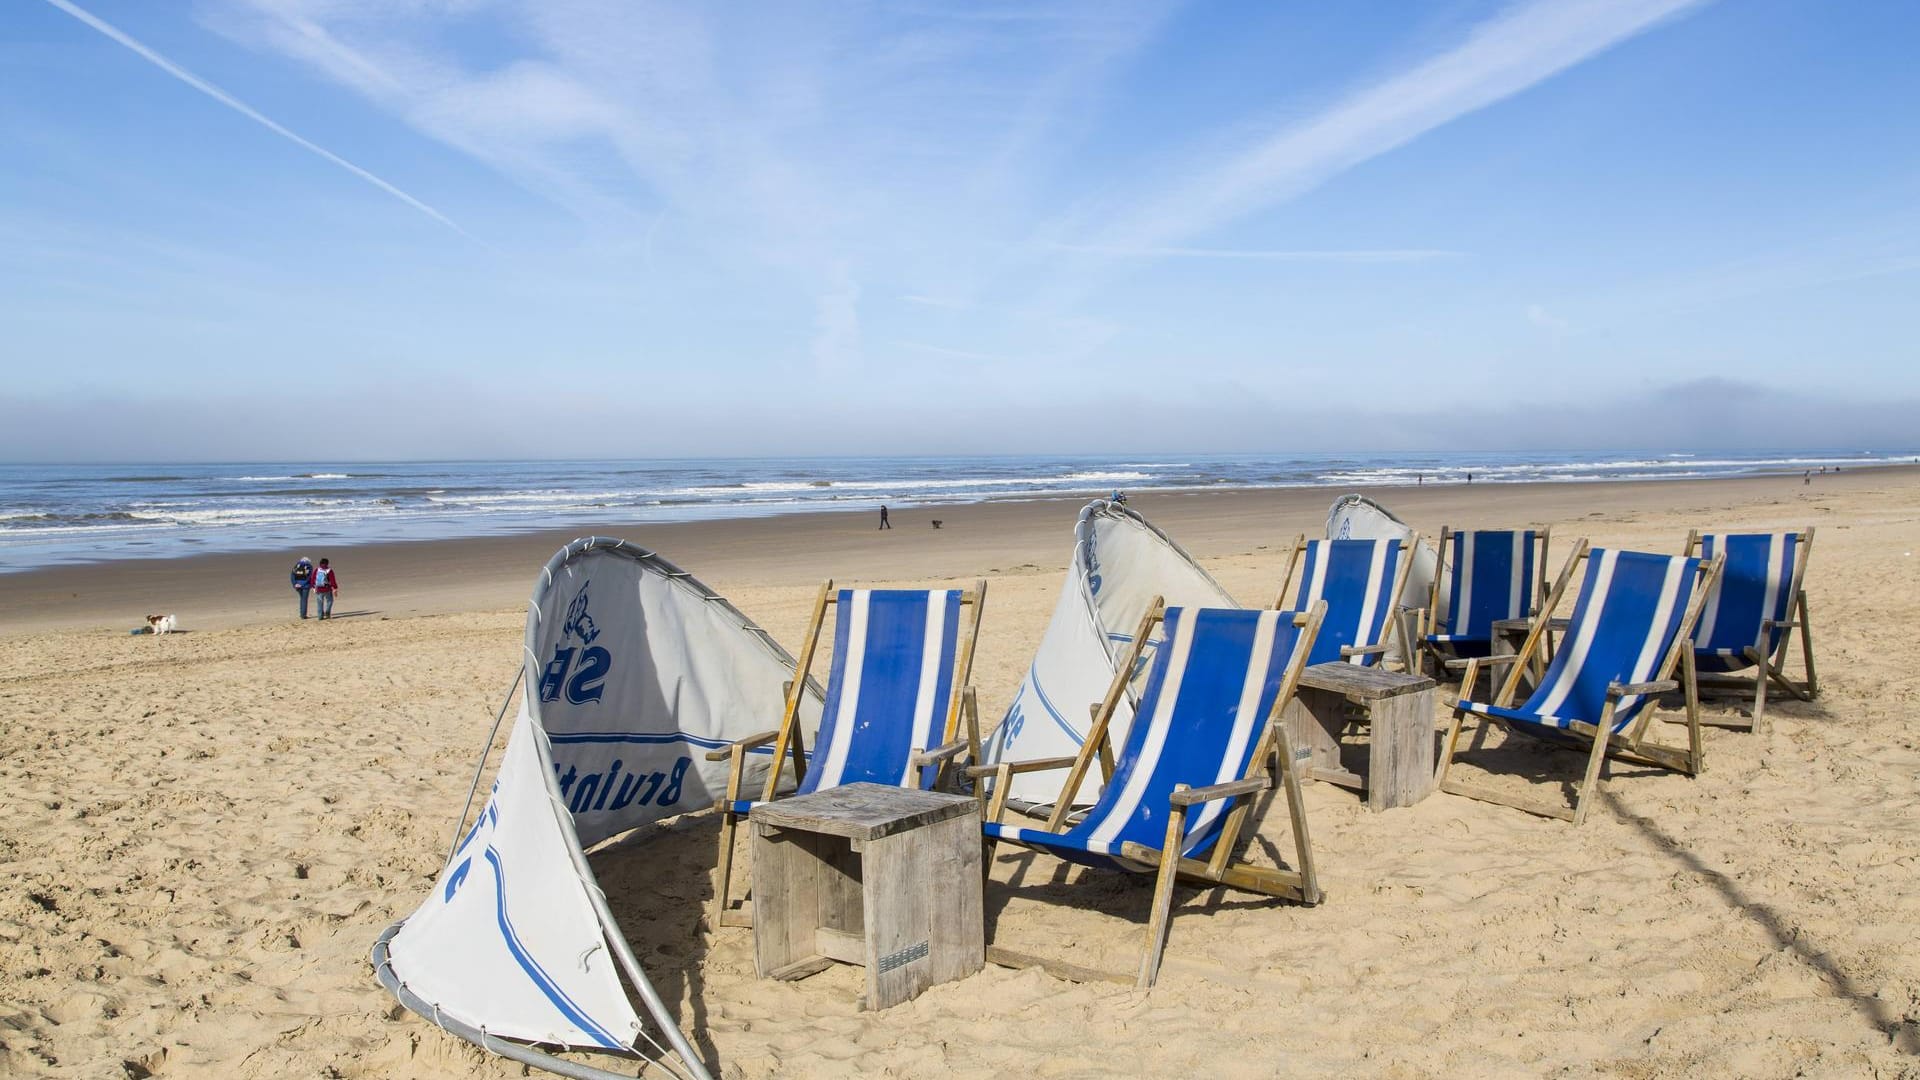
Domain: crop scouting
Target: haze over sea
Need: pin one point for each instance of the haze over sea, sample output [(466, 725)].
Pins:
[(53, 514)]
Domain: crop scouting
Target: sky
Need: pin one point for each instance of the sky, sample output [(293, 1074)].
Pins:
[(376, 229)]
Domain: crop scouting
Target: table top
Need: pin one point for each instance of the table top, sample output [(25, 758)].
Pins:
[(863, 811), (1363, 683)]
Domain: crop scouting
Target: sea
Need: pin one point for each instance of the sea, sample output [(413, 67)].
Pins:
[(58, 514)]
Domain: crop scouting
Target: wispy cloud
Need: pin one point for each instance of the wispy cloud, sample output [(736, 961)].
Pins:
[(1500, 58), (947, 352), (248, 111), (1383, 255)]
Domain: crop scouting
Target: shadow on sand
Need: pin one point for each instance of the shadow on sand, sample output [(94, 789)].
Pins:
[(1904, 1036)]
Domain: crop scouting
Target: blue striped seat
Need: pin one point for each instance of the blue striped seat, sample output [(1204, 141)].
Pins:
[(1617, 655), (1490, 575), (1749, 617), (1361, 581), (895, 693), (1206, 716), (1746, 613)]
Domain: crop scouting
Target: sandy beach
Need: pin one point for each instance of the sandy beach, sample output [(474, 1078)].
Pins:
[(202, 833)]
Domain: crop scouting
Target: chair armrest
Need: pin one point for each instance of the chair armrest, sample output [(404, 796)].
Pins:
[(1362, 650), (1485, 661), (748, 743), (1211, 792), (939, 753), (1658, 687), (977, 772)]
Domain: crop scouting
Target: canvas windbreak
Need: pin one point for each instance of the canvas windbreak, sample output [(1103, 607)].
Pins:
[(1120, 563), (1356, 517), (633, 670)]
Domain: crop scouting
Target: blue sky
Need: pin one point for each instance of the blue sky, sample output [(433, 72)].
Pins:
[(436, 228)]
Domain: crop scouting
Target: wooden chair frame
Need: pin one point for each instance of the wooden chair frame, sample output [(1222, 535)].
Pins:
[(1398, 619), (1771, 668), (1631, 745), (790, 742), (1427, 619), (1219, 868)]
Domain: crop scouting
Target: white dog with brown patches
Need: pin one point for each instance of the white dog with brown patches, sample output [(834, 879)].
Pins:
[(160, 624)]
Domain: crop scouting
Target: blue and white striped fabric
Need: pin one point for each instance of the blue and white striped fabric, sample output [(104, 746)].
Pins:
[(1630, 607), (1202, 714), (1356, 579), (1491, 578), (1756, 584), (889, 692)]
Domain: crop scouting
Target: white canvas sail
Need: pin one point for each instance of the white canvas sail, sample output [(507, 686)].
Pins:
[(1356, 517), (1120, 563), (632, 670)]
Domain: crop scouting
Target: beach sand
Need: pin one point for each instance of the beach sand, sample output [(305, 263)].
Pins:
[(201, 834)]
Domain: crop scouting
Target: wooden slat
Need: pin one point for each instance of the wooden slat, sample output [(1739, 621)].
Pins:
[(1059, 969), (1488, 795), (842, 945), (800, 969)]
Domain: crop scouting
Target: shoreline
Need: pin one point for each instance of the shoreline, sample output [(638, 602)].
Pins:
[(397, 578)]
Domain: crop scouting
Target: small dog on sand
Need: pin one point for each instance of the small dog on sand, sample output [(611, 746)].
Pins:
[(160, 624), (937, 523)]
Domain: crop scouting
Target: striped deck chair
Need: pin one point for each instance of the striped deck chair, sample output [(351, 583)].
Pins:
[(1630, 628), (1361, 582), (1204, 732), (1751, 614), (1488, 575), (897, 692)]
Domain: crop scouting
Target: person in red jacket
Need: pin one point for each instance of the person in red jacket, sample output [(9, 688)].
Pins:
[(326, 585)]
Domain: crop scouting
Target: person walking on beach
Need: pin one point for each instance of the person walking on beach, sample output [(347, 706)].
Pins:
[(303, 581), (326, 582), (884, 523)]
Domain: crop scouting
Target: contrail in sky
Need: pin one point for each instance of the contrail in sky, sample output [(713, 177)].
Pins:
[(248, 111)]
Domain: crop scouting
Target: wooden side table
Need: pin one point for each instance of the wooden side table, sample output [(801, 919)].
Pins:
[(887, 878), (1399, 744)]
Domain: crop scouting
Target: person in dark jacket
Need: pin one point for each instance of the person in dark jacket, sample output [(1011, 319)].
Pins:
[(303, 581)]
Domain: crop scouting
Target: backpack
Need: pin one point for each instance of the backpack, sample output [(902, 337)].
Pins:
[(303, 572)]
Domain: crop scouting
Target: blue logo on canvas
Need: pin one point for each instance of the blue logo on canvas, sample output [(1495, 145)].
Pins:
[(580, 624), (578, 669)]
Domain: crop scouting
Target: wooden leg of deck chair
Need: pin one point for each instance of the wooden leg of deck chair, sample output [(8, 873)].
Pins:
[(1806, 648), (1696, 745), (1297, 809), (1595, 759), (1163, 894), (1761, 677), (729, 822), (1447, 748), (723, 890)]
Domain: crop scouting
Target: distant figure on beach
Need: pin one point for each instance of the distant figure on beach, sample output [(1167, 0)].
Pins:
[(303, 581), (1118, 497), (1807, 477), (1469, 478), (1419, 479), (326, 582), (884, 523)]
